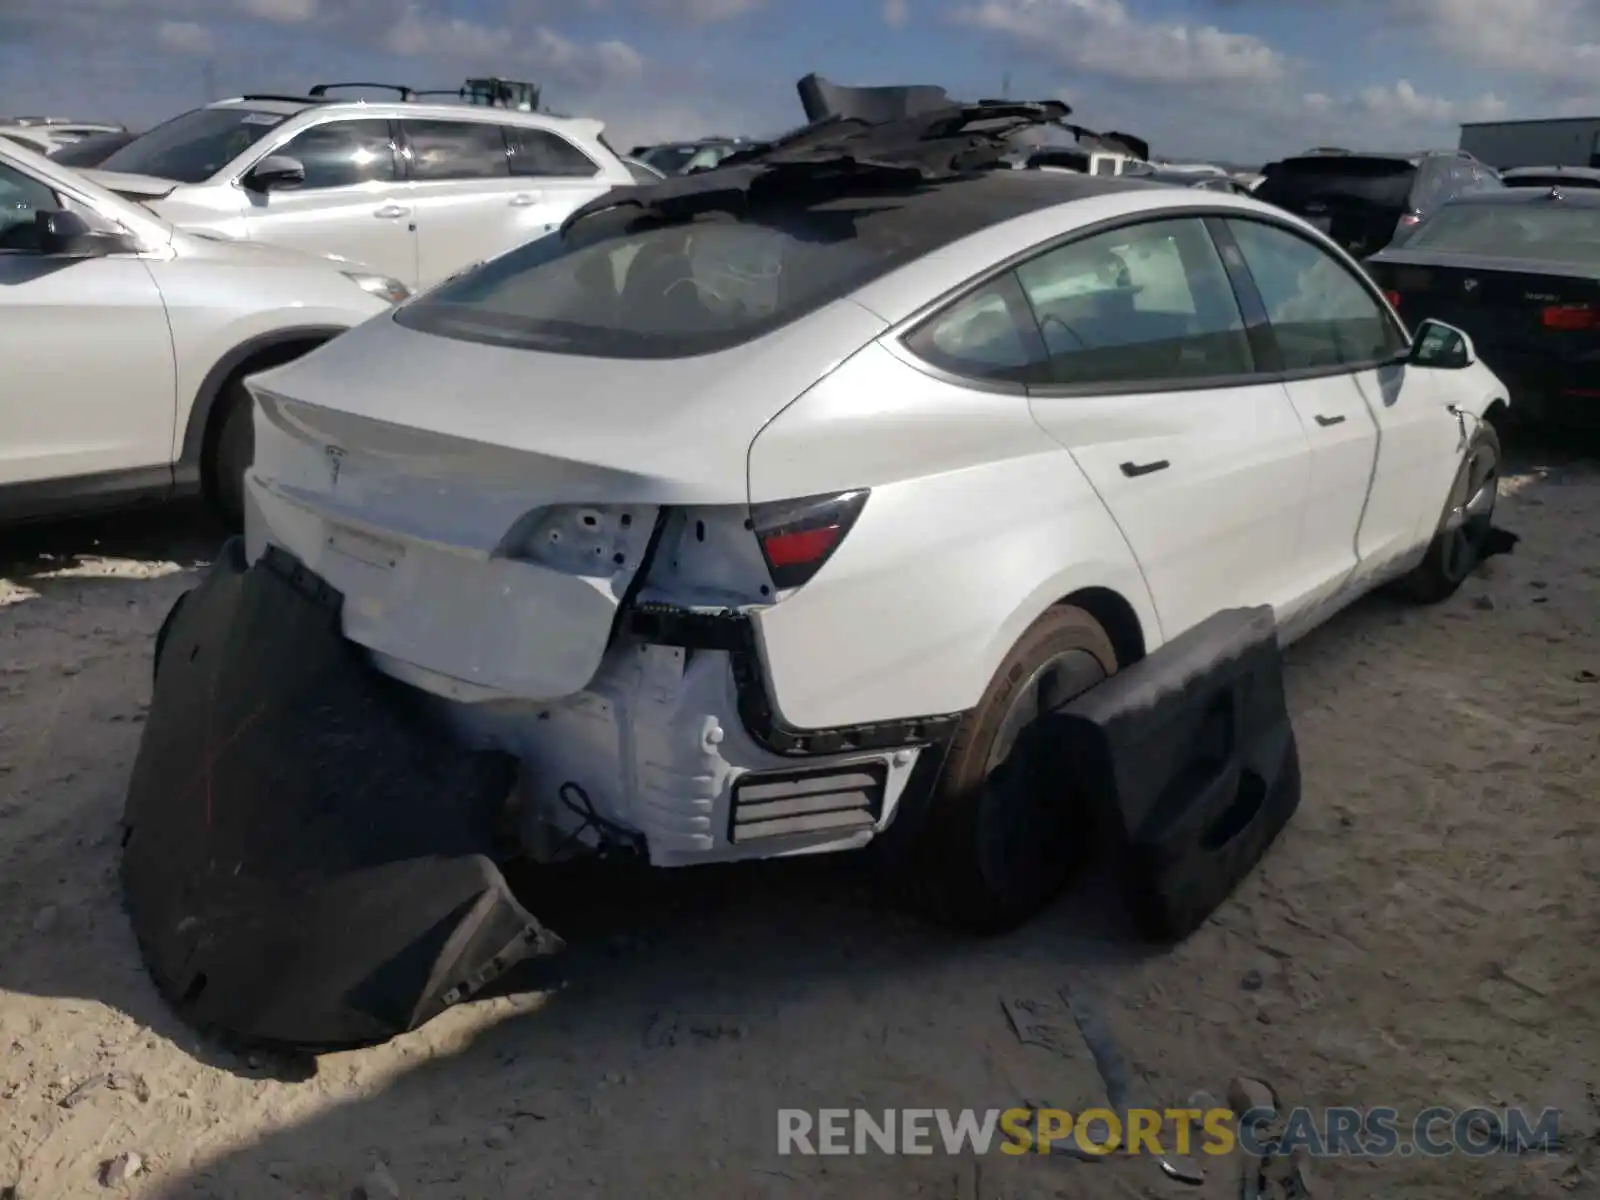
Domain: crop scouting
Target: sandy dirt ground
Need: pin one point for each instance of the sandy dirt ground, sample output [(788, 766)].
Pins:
[(1424, 933)]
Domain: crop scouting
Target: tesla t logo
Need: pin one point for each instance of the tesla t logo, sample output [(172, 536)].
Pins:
[(1469, 285), (335, 463)]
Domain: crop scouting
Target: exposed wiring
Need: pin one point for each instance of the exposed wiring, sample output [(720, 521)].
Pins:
[(610, 837)]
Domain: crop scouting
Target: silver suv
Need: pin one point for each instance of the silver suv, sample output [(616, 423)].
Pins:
[(413, 189)]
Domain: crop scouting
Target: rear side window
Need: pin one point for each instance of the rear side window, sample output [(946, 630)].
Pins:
[(1544, 232), (21, 198), (987, 334), (615, 287), (1150, 302), (440, 150), (1322, 315), (342, 154), (538, 152)]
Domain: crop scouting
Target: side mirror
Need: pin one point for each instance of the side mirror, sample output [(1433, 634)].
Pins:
[(275, 171), (1442, 347), (68, 235)]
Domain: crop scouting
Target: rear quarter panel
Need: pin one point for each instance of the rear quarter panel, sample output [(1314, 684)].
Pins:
[(977, 523)]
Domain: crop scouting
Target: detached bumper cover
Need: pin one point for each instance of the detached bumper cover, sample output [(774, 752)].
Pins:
[(307, 855)]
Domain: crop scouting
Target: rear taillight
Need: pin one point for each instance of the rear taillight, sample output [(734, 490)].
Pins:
[(1393, 298), (798, 536), (1570, 317), (1407, 220)]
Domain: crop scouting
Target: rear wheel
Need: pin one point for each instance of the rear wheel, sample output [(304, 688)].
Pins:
[(1463, 533), (1002, 833), (231, 449)]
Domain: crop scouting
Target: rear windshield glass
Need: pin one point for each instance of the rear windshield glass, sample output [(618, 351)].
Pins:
[(193, 147), (1383, 182), (1542, 233), (1549, 181), (669, 160), (614, 290)]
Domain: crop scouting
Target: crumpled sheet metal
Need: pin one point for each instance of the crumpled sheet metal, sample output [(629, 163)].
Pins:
[(307, 856)]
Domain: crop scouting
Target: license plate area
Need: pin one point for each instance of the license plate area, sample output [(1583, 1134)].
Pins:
[(374, 551)]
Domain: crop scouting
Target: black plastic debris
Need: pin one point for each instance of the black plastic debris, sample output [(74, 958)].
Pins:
[(307, 855), (1191, 759)]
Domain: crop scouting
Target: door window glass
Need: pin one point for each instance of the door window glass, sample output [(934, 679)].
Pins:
[(22, 197), (455, 150), (342, 153), (1146, 302), (538, 152), (983, 335), (1322, 315)]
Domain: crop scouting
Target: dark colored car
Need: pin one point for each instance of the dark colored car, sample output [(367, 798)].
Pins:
[(1519, 271), (92, 150), (1549, 177), (1363, 200)]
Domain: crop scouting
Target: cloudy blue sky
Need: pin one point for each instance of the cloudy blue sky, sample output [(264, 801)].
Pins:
[(1238, 79)]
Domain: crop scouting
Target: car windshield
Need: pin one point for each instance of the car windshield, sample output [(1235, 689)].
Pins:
[(669, 160), (1385, 182), (193, 147), (647, 290), (1539, 232)]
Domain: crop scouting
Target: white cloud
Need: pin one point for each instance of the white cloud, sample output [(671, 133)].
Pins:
[(288, 12), (1105, 38), (1401, 101), (186, 37), (703, 12), (896, 13), (1556, 40), (595, 64)]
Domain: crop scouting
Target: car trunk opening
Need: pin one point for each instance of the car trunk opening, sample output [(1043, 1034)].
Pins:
[(1357, 201)]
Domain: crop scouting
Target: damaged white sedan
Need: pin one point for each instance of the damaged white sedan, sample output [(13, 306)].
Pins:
[(760, 513)]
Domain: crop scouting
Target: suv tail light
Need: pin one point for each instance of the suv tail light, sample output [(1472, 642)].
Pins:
[(1407, 220), (1570, 316), (798, 536), (1393, 298)]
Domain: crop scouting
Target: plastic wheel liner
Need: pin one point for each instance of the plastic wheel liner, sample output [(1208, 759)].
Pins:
[(306, 854)]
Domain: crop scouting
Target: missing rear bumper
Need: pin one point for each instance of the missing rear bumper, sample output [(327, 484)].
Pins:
[(307, 854)]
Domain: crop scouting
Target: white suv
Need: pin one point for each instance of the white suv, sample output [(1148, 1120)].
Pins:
[(410, 189), (125, 343)]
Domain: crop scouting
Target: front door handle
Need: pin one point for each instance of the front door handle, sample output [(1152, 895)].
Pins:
[(392, 212), (1133, 470), (1326, 421), (523, 200)]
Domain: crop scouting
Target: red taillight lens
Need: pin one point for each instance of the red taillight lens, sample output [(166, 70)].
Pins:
[(798, 536), (1393, 298), (1407, 220), (1570, 316)]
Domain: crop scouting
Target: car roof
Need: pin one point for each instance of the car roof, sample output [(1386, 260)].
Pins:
[(415, 109), (1531, 172), (1580, 197)]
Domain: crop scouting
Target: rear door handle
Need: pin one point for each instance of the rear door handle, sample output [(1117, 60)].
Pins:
[(392, 212), (1326, 421), (524, 199), (1133, 470)]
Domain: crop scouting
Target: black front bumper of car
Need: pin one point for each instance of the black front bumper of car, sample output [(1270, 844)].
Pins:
[(308, 854)]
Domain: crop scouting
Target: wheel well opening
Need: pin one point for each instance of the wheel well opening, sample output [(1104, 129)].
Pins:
[(1496, 414), (275, 355), (1116, 617)]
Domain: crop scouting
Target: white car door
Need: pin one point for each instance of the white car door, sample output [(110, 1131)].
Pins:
[(1380, 476), (350, 204), (1156, 392), (1332, 336), (459, 184), (551, 177), (89, 384)]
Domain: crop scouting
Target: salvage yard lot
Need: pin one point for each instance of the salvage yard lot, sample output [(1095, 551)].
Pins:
[(1423, 934)]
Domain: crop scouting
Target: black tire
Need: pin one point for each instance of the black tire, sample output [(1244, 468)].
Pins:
[(162, 634), (230, 449), (1462, 534), (994, 842)]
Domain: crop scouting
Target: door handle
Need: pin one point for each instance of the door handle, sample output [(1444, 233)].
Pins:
[(1133, 470), (391, 212), (1326, 421), (523, 200)]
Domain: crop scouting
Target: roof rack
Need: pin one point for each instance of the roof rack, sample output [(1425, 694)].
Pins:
[(320, 91), (283, 97)]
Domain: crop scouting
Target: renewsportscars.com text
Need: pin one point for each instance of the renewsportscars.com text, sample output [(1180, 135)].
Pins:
[(1342, 1132)]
